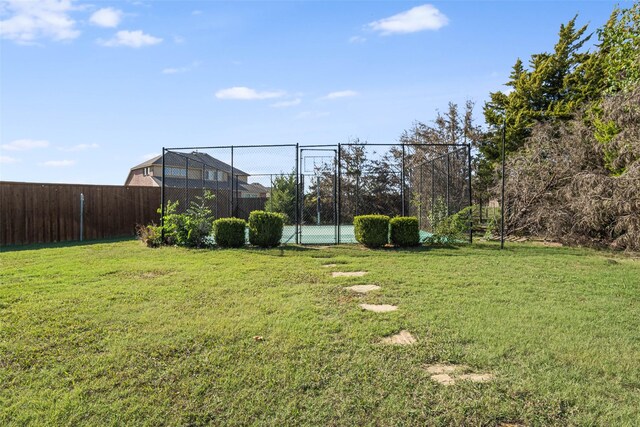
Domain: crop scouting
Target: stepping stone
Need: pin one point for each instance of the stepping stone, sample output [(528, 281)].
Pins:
[(363, 289), (444, 379), (477, 378), (348, 273), (402, 338), (379, 308), (444, 369)]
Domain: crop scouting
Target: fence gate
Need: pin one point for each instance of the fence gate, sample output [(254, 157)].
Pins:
[(318, 190)]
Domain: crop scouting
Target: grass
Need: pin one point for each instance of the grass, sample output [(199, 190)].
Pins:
[(118, 334)]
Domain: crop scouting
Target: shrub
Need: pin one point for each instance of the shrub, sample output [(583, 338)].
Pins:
[(372, 230), (192, 228), (229, 232), (175, 232), (451, 229), (151, 235), (404, 231), (265, 228)]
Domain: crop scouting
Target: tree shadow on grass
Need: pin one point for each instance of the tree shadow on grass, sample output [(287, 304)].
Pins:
[(67, 244)]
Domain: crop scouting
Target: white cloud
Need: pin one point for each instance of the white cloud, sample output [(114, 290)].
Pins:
[(284, 104), (357, 39), (245, 93), (106, 17), (79, 147), (33, 20), (340, 94), (8, 160), (134, 39), (419, 18), (58, 163), (25, 144), (196, 12)]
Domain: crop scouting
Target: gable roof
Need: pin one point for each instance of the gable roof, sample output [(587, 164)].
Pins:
[(173, 158)]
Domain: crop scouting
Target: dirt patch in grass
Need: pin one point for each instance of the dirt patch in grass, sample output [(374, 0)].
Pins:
[(330, 265), (444, 379), (348, 273), (444, 369), (449, 374), (401, 338), (379, 308), (363, 289), (476, 378)]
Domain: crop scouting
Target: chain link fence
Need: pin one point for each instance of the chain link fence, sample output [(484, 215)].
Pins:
[(319, 189)]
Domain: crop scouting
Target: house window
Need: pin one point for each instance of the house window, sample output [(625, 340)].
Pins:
[(210, 175), (180, 172), (222, 176)]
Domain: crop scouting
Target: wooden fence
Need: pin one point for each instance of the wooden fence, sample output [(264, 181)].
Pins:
[(43, 213)]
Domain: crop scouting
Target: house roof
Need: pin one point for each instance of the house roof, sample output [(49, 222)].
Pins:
[(255, 188), (210, 185), (173, 158)]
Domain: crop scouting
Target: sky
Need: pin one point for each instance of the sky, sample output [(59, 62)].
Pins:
[(89, 89)]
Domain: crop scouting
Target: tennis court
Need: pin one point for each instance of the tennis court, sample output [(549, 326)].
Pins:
[(325, 234)]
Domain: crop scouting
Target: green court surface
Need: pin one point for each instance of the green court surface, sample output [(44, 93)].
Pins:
[(325, 234)]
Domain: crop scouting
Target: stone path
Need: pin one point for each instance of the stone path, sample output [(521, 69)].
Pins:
[(449, 374), (443, 374), (363, 289), (379, 308), (401, 338)]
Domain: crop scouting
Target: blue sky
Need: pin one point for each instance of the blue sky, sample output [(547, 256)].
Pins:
[(89, 89)]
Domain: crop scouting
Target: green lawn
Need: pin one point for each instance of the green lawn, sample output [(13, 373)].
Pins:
[(118, 334)]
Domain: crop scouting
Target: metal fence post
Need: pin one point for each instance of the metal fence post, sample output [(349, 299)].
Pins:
[(448, 172), (336, 230), (162, 196), (231, 186), (433, 192), (421, 198), (470, 195), (339, 191), (402, 180), (504, 131), (297, 195)]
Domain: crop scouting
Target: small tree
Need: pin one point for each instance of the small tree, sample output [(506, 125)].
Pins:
[(283, 196)]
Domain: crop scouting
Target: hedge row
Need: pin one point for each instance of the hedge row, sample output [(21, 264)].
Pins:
[(375, 231), (265, 230)]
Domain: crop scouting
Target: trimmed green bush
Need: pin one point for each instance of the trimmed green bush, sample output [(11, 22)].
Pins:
[(404, 231), (371, 230), (265, 228), (229, 232)]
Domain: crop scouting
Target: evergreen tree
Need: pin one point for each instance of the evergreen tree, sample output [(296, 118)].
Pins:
[(545, 91), (283, 196)]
